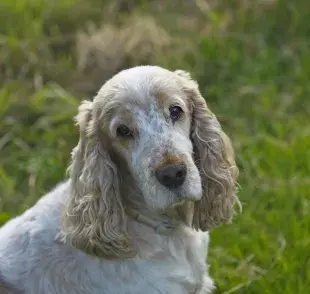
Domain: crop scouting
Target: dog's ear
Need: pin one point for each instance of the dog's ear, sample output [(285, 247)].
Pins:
[(94, 220), (215, 160)]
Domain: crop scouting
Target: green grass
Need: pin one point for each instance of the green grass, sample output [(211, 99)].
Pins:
[(252, 60)]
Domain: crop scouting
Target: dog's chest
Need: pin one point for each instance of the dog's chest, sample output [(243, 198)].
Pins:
[(183, 275), (177, 267)]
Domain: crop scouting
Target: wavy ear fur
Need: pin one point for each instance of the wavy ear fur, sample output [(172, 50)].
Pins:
[(94, 220), (214, 157)]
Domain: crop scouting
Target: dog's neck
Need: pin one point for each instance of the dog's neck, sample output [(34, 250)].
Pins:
[(161, 223), (164, 223)]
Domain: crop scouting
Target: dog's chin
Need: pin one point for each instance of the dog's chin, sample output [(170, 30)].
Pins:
[(176, 203), (182, 210), (182, 199), (174, 198)]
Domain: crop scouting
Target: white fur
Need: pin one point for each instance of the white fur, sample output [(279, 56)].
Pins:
[(33, 260)]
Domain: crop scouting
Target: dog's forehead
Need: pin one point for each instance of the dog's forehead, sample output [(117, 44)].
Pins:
[(143, 71), (150, 105), (146, 112), (147, 85), (146, 90)]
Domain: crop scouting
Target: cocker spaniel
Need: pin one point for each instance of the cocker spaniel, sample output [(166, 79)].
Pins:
[(151, 174)]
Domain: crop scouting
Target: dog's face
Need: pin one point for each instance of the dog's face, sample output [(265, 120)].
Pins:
[(150, 133), (147, 118)]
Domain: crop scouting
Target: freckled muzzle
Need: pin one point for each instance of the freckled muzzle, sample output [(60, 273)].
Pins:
[(172, 175)]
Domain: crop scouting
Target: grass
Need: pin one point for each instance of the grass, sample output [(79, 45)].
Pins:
[(252, 61)]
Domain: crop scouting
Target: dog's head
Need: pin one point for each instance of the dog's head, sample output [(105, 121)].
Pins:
[(148, 130)]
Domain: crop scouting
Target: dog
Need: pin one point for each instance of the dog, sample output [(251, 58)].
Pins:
[(151, 174)]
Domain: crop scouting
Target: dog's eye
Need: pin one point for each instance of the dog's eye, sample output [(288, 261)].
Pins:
[(123, 131), (175, 112)]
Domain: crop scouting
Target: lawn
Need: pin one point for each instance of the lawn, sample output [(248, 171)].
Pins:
[(252, 60)]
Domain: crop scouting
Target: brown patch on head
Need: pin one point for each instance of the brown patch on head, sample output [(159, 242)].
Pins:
[(117, 116), (169, 160), (126, 118), (162, 99), (166, 99)]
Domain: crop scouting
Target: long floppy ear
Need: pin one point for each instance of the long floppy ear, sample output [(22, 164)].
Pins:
[(94, 220), (215, 159)]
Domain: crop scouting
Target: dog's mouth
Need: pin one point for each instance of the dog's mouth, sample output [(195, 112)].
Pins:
[(182, 200), (180, 211)]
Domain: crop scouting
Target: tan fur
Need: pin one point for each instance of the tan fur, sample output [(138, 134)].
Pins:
[(168, 159), (95, 221), (215, 158)]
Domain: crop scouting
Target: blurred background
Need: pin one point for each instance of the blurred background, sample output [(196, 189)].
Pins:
[(252, 61)]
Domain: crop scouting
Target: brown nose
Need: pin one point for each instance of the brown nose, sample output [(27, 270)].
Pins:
[(172, 175)]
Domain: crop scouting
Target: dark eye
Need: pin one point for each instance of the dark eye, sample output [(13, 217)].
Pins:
[(175, 112), (123, 131)]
